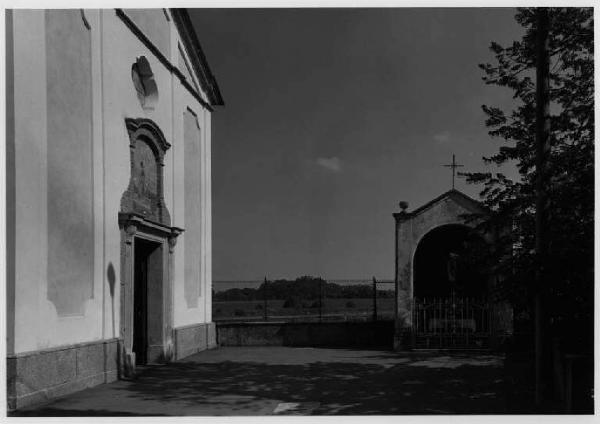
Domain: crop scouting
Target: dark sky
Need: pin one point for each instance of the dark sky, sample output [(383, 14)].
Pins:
[(332, 116)]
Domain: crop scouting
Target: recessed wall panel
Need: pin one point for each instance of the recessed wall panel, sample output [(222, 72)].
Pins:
[(192, 205), (70, 165)]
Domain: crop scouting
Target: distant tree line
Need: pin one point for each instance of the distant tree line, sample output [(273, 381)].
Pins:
[(305, 287)]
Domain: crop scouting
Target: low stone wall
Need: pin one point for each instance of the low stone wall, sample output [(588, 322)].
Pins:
[(194, 338), (339, 334), (35, 377)]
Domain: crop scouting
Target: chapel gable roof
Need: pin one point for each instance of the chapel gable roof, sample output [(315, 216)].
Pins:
[(459, 197)]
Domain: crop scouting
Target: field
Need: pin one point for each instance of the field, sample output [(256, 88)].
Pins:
[(333, 309)]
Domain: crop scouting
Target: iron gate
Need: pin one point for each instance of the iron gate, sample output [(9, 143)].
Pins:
[(451, 323)]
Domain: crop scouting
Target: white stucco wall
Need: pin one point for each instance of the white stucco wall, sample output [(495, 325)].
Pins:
[(184, 315), (114, 48)]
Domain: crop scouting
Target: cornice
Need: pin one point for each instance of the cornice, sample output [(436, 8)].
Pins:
[(162, 59), (197, 57), (131, 218)]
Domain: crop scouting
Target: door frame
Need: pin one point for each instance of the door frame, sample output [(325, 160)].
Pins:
[(134, 226), (151, 287)]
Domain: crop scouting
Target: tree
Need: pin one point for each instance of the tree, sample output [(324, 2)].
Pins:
[(570, 169)]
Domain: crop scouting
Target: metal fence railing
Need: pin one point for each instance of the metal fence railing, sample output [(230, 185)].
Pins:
[(453, 322), (305, 299)]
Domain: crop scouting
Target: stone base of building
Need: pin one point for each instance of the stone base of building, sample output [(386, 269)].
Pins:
[(36, 377), (194, 338), (39, 376)]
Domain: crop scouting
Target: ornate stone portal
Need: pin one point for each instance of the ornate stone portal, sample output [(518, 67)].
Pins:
[(145, 226)]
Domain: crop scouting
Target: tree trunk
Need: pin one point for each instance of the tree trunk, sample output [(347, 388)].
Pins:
[(542, 379)]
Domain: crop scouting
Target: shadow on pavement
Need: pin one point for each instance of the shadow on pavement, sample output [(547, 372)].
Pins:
[(456, 385), (57, 412), (339, 388)]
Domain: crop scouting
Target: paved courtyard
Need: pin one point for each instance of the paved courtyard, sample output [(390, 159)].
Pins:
[(300, 381)]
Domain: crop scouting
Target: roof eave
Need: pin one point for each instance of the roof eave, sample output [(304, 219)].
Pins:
[(198, 59)]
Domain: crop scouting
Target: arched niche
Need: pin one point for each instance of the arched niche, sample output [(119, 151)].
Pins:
[(445, 263)]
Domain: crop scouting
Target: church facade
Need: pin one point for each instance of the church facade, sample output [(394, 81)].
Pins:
[(443, 298), (108, 196)]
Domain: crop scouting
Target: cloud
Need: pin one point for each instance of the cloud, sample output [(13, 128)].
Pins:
[(442, 137), (333, 164)]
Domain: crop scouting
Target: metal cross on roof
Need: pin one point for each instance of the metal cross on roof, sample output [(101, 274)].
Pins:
[(453, 165)]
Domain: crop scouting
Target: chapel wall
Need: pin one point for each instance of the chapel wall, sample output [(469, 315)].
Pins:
[(192, 202), (57, 287), (451, 209), (169, 114), (120, 50), (192, 292), (155, 24), (409, 231), (71, 163)]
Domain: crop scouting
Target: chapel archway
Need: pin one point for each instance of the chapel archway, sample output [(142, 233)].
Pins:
[(446, 296), (448, 263)]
